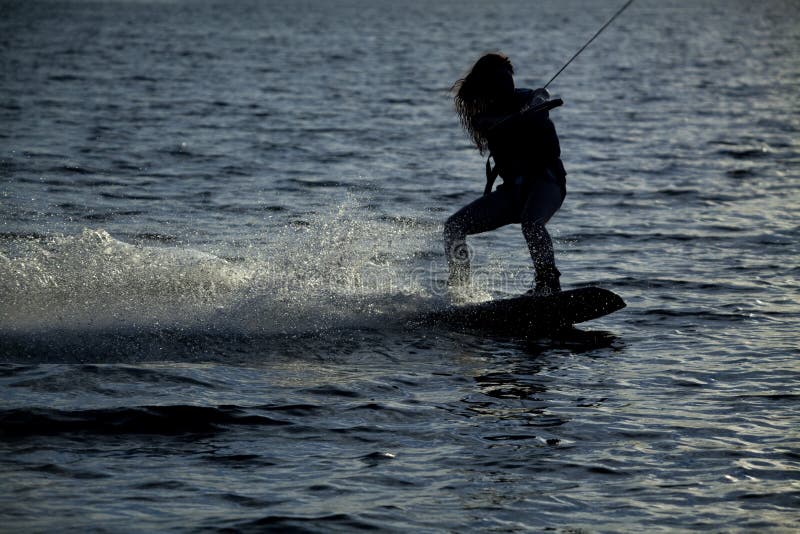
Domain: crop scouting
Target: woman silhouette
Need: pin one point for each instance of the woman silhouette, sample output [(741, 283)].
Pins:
[(513, 125)]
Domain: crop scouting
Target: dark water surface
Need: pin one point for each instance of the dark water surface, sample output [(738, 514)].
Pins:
[(218, 218)]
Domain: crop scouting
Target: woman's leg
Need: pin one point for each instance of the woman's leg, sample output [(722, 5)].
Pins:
[(544, 198), (482, 215)]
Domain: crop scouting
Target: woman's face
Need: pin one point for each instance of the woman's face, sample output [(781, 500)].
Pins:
[(500, 85)]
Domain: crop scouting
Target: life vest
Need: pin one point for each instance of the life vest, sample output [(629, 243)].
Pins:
[(525, 149)]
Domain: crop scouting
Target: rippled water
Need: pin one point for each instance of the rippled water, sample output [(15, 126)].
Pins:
[(218, 221)]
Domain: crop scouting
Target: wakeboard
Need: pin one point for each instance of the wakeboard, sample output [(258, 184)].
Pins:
[(530, 315)]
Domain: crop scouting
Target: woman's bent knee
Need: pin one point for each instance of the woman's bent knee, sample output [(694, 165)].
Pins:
[(454, 229)]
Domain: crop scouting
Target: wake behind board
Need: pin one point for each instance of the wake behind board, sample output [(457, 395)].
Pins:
[(529, 315)]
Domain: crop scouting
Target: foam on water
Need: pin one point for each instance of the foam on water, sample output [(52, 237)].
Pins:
[(93, 281), (329, 271), (335, 269)]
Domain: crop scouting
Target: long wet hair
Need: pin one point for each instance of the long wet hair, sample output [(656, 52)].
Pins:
[(486, 87)]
